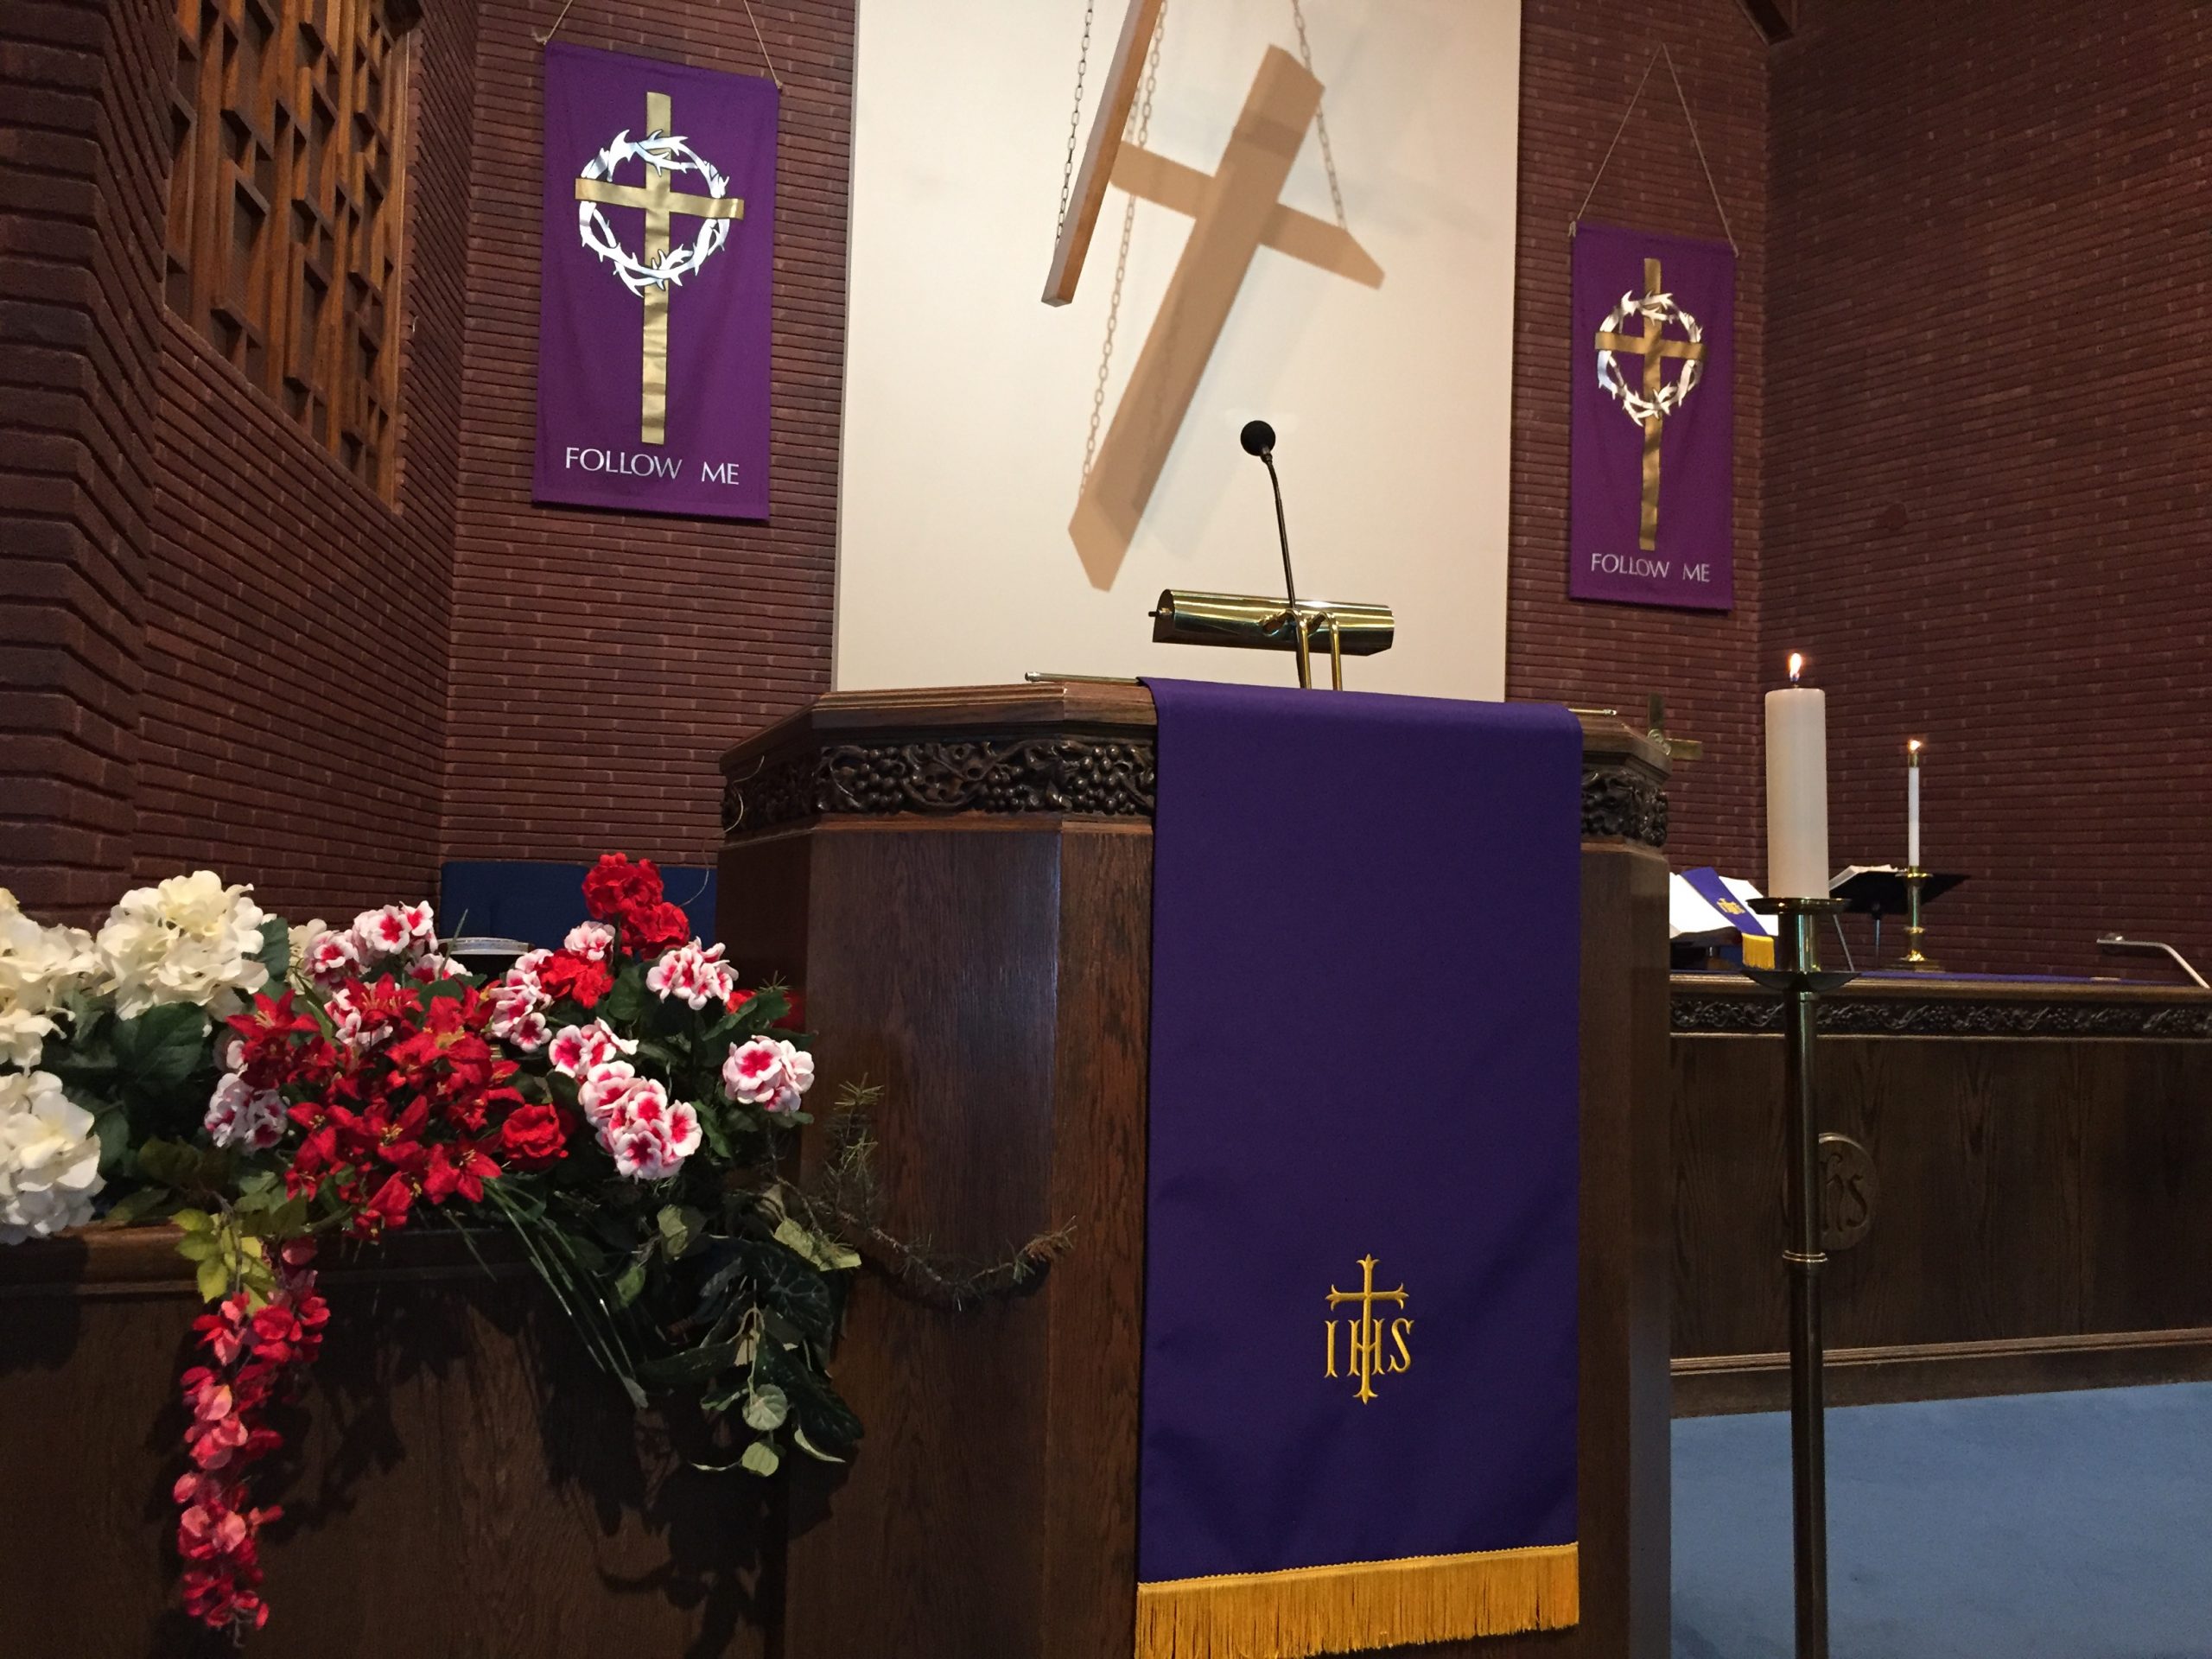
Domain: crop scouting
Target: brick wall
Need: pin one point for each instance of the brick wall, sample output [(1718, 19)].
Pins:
[(1580, 63), (602, 662), (297, 623), (80, 235), (1986, 495)]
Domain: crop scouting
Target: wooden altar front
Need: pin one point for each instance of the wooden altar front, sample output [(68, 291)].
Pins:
[(2028, 1175), (962, 881)]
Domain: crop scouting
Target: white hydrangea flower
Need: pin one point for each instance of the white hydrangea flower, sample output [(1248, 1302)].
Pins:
[(40, 969), (49, 1159), (191, 939), (22, 1037)]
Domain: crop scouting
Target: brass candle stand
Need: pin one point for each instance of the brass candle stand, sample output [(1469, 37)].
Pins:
[(1914, 957), (1798, 977)]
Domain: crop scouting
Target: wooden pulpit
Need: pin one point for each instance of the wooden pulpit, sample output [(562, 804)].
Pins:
[(961, 880)]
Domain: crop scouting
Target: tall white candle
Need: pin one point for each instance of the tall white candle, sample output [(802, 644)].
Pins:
[(1797, 788), (1912, 804)]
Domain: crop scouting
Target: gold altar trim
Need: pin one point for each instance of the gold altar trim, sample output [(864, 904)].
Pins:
[(1360, 1606)]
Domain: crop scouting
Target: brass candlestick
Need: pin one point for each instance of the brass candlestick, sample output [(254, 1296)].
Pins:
[(1798, 977), (1914, 957)]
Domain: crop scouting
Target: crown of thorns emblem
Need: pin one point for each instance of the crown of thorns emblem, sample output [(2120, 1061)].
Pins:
[(1659, 308), (673, 155)]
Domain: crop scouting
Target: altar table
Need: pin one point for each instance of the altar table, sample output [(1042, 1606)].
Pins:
[(2036, 1192)]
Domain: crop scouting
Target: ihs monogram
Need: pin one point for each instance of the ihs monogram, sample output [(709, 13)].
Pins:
[(1366, 1360)]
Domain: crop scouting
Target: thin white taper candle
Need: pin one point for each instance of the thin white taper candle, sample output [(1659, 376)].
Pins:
[(1912, 804)]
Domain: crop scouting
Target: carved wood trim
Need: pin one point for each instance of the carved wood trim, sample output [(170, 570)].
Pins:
[(1069, 774), (2068, 1014)]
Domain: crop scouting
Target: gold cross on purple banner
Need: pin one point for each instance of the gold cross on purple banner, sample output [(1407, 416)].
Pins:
[(1655, 349), (661, 204)]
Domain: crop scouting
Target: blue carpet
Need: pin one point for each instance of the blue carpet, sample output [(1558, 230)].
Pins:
[(2041, 1526)]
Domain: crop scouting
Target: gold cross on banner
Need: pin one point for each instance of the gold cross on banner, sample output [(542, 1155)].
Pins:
[(1654, 350), (1235, 211), (660, 204)]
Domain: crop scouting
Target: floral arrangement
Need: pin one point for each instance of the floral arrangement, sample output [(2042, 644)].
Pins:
[(620, 1104)]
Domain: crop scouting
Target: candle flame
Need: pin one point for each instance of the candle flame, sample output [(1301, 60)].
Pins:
[(1797, 665), (1913, 746)]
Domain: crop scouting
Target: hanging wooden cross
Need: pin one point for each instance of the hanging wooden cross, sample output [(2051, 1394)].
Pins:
[(1236, 210)]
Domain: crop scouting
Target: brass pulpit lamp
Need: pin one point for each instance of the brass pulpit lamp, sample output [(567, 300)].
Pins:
[(1250, 622), (1254, 623)]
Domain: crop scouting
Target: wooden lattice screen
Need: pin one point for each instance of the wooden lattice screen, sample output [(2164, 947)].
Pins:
[(285, 206)]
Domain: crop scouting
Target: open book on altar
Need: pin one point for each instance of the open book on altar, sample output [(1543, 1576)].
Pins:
[(1705, 908)]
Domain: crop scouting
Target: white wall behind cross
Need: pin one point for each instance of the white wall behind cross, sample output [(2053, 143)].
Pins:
[(967, 400)]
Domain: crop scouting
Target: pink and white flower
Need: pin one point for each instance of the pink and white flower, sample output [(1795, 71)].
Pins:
[(768, 1073), (648, 1135), (348, 1024), (603, 1090), (239, 1114), (422, 924), (696, 975), (518, 1005), (527, 1032), (382, 932), (577, 1049), (428, 968), (590, 940), (331, 955)]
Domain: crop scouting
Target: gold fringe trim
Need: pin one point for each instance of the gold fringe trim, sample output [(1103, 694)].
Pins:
[(1353, 1609)]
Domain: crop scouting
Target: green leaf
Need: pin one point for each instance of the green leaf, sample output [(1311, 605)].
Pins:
[(690, 1368), (276, 952), (112, 1127), (798, 1436), (679, 1228), (214, 1279), (624, 1005), (714, 1125), (760, 1458), (663, 1054), (827, 1420), (186, 1168), (767, 1408), (135, 1207), (162, 1046), (627, 1288), (190, 1221), (824, 1253), (785, 1283)]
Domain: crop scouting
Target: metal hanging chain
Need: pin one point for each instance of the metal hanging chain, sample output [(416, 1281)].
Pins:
[(1075, 117), (1142, 116), (546, 39), (1320, 119), (1684, 99)]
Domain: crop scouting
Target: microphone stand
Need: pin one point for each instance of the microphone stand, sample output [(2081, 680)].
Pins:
[(1289, 582)]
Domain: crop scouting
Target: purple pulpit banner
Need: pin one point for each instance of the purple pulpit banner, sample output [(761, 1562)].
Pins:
[(1358, 1398), (654, 304), (1653, 466)]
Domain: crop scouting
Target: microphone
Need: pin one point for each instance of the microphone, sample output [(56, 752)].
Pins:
[(1259, 439)]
